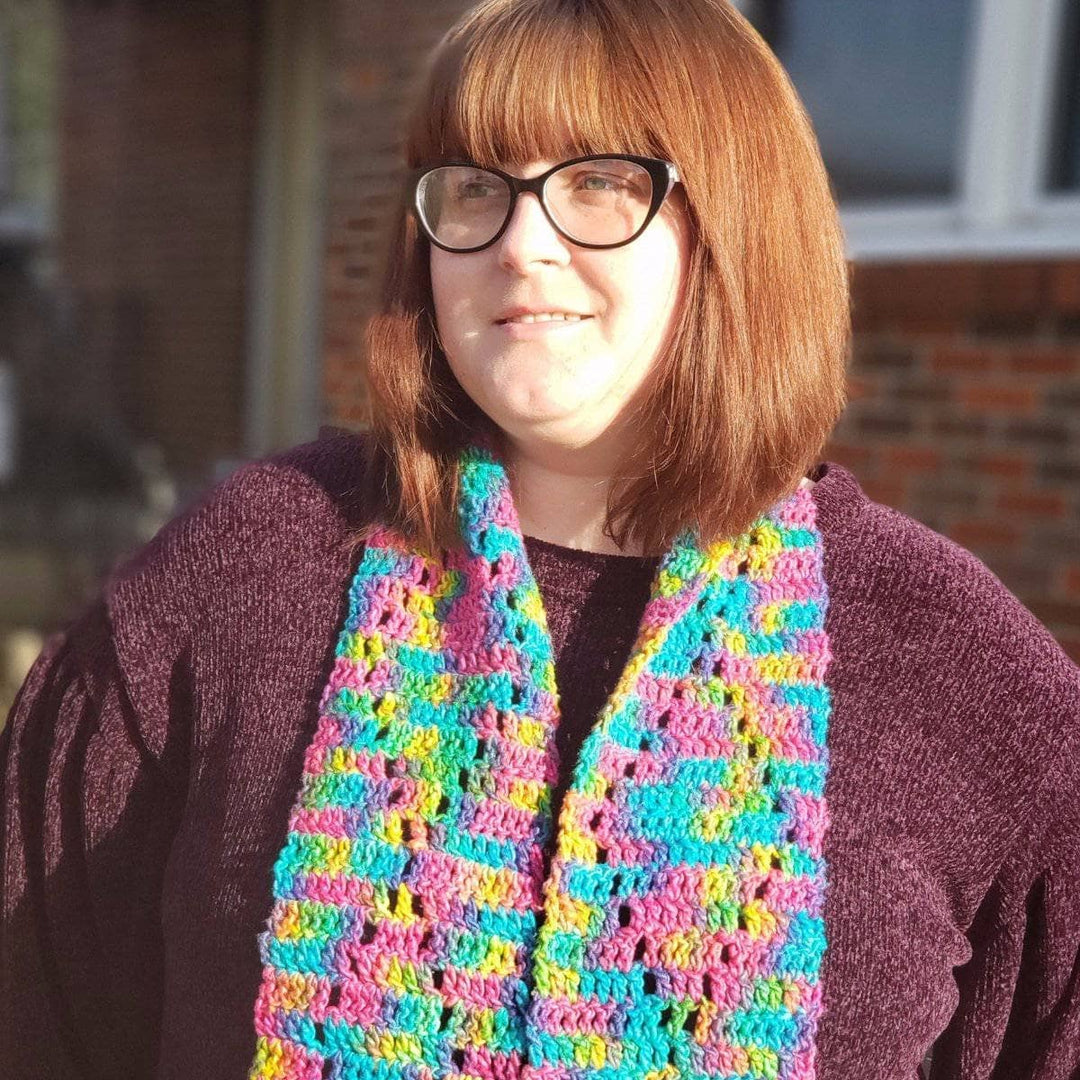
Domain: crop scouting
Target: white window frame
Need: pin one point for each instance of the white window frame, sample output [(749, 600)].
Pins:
[(1000, 209)]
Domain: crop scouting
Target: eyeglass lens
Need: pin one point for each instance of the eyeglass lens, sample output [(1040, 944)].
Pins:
[(597, 202)]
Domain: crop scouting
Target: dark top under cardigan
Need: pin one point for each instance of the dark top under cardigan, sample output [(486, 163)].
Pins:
[(153, 756)]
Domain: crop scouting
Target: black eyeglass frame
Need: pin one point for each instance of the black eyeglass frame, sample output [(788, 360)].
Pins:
[(664, 176)]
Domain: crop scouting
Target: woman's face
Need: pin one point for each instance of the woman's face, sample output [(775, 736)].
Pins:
[(561, 382)]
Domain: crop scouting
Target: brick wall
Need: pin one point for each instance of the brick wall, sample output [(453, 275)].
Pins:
[(965, 414), (377, 52), (158, 112)]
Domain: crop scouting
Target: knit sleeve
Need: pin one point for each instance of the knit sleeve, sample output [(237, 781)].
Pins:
[(1018, 1016), (87, 819)]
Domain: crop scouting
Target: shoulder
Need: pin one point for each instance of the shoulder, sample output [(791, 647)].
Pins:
[(913, 617), (881, 560), (276, 529), (301, 499)]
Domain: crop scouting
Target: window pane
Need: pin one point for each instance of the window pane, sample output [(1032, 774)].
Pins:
[(884, 85), (1063, 173)]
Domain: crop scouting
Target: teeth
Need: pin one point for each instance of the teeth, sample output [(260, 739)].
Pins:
[(546, 316)]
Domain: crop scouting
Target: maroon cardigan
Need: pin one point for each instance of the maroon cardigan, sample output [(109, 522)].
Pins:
[(149, 765)]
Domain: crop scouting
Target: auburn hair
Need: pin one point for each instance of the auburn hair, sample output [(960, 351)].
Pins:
[(751, 383)]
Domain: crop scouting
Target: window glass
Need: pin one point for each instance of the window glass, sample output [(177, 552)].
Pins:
[(1063, 173), (884, 84)]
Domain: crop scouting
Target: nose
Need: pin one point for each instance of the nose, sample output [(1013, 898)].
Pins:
[(530, 239)]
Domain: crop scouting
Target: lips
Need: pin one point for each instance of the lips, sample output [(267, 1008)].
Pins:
[(528, 320), (528, 315)]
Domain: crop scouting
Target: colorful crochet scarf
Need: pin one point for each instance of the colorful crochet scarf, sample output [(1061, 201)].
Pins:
[(679, 931)]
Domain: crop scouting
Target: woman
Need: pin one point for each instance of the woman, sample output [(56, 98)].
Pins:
[(631, 739)]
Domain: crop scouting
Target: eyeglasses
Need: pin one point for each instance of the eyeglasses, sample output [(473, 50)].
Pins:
[(596, 201)]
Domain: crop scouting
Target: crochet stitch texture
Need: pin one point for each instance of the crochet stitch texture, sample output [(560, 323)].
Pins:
[(679, 930)]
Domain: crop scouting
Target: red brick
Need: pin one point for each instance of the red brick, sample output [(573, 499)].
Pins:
[(875, 354), (1071, 645), (933, 391), (862, 389), (909, 458), (852, 456), (1006, 327), (891, 491), (943, 492), (864, 319), (1037, 360), (938, 296), (1065, 288), (871, 289), (1019, 573), (952, 425), (1041, 503), (999, 397), (1014, 287), (1057, 615), (157, 117), (951, 358), (1010, 466), (1043, 434), (917, 297), (877, 423), (981, 532), (1072, 580)]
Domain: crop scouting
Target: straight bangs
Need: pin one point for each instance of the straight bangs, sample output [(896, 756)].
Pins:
[(741, 400), (567, 92)]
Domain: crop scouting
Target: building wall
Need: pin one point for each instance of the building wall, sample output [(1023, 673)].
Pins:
[(965, 414), (158, 112), (375, 61), (129, 347)]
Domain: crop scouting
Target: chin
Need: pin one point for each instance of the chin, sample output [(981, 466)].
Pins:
[(532, 406), (535, 425), (568, 431)]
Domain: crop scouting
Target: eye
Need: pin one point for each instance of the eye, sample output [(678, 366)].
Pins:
[(469, 190), (600, 182), (612, 183)]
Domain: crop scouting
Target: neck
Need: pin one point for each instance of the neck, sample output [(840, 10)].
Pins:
[(561, 496)]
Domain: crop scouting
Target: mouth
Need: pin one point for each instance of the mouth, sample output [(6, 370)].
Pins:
[(541, 325), (542, 317)]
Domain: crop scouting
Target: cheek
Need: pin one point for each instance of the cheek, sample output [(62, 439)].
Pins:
[(670, 290), (442, 286), (670, 262), (650, 289), (453, 290)]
